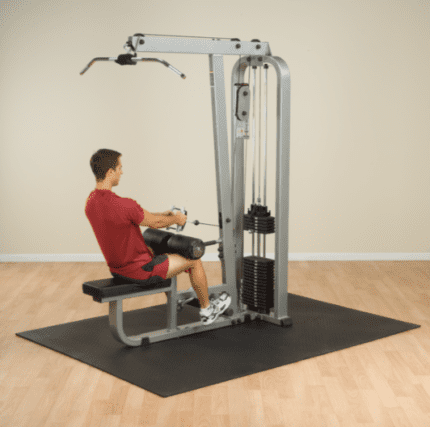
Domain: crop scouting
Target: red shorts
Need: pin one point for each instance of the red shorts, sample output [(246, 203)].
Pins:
[(159, 266), (151, 273)]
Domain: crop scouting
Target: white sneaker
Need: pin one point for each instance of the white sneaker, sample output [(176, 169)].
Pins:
[(215, 309)]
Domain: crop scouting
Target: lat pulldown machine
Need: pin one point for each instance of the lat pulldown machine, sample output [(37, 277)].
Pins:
[(257, 285)]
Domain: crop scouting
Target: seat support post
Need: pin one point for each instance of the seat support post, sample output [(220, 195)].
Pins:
[(116, 325), (116, 317), (172, 310)]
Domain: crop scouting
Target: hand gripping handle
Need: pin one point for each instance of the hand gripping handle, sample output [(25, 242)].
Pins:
[(178, 227)]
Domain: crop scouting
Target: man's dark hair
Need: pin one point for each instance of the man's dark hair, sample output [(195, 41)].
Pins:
[(102, 161)]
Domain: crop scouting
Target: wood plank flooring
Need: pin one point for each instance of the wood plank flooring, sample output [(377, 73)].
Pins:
[(381, 383)]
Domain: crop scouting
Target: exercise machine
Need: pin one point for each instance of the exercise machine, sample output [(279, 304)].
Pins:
[(257, 285)]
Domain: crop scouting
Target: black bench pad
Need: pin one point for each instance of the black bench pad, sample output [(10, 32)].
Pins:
[(115, 287)]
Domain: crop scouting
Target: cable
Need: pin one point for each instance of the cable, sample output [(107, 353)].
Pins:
[(259, 153), (265, 149), (246, 145), (253, 151), (197, 222), (253, 134), (265, 141)]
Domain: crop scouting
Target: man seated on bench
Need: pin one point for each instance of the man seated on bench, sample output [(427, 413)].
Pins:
[(115, 221)]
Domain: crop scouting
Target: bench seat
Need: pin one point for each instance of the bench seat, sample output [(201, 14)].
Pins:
[(115, 290), (115, 287)]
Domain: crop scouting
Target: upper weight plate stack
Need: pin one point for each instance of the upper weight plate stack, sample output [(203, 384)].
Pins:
[(259, 220)]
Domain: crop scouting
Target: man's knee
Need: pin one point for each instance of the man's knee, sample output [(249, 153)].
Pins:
[(196, 263)]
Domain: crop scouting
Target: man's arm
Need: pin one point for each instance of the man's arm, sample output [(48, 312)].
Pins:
[(157, 221), (161, 221), (166, 213)]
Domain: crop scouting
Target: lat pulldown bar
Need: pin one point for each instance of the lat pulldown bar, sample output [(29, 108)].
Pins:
[(129, 59)]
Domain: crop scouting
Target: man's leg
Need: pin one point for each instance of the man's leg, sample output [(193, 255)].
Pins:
[(178, 264), (153, 254), (200, 283)]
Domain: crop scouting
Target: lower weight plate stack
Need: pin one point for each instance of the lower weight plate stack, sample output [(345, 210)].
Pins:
[(258, 283)]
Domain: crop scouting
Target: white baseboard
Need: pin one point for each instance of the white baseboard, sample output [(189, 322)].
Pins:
[(414, 256)]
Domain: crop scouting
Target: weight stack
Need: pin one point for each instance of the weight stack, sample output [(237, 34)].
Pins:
[(258, 272), (258, 283)]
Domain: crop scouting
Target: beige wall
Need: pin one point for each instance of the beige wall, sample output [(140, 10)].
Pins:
[(360, 128)]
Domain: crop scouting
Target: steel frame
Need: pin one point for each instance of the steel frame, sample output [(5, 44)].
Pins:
[(230, 206)]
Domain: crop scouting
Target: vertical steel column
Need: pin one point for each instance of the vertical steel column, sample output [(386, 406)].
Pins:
[(238, 173), (282, 185), (222, 163)]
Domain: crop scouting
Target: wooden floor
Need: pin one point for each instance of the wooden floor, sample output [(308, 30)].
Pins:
[(381, 383)]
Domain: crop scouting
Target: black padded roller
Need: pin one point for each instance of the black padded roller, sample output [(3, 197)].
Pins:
[(163, 242)]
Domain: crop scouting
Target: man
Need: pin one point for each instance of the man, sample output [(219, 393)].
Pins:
[(115, 222)]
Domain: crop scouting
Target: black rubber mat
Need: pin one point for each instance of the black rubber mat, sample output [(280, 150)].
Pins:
[(180, 365)]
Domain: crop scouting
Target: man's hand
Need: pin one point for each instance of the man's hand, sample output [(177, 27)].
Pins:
[(167, 213)]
